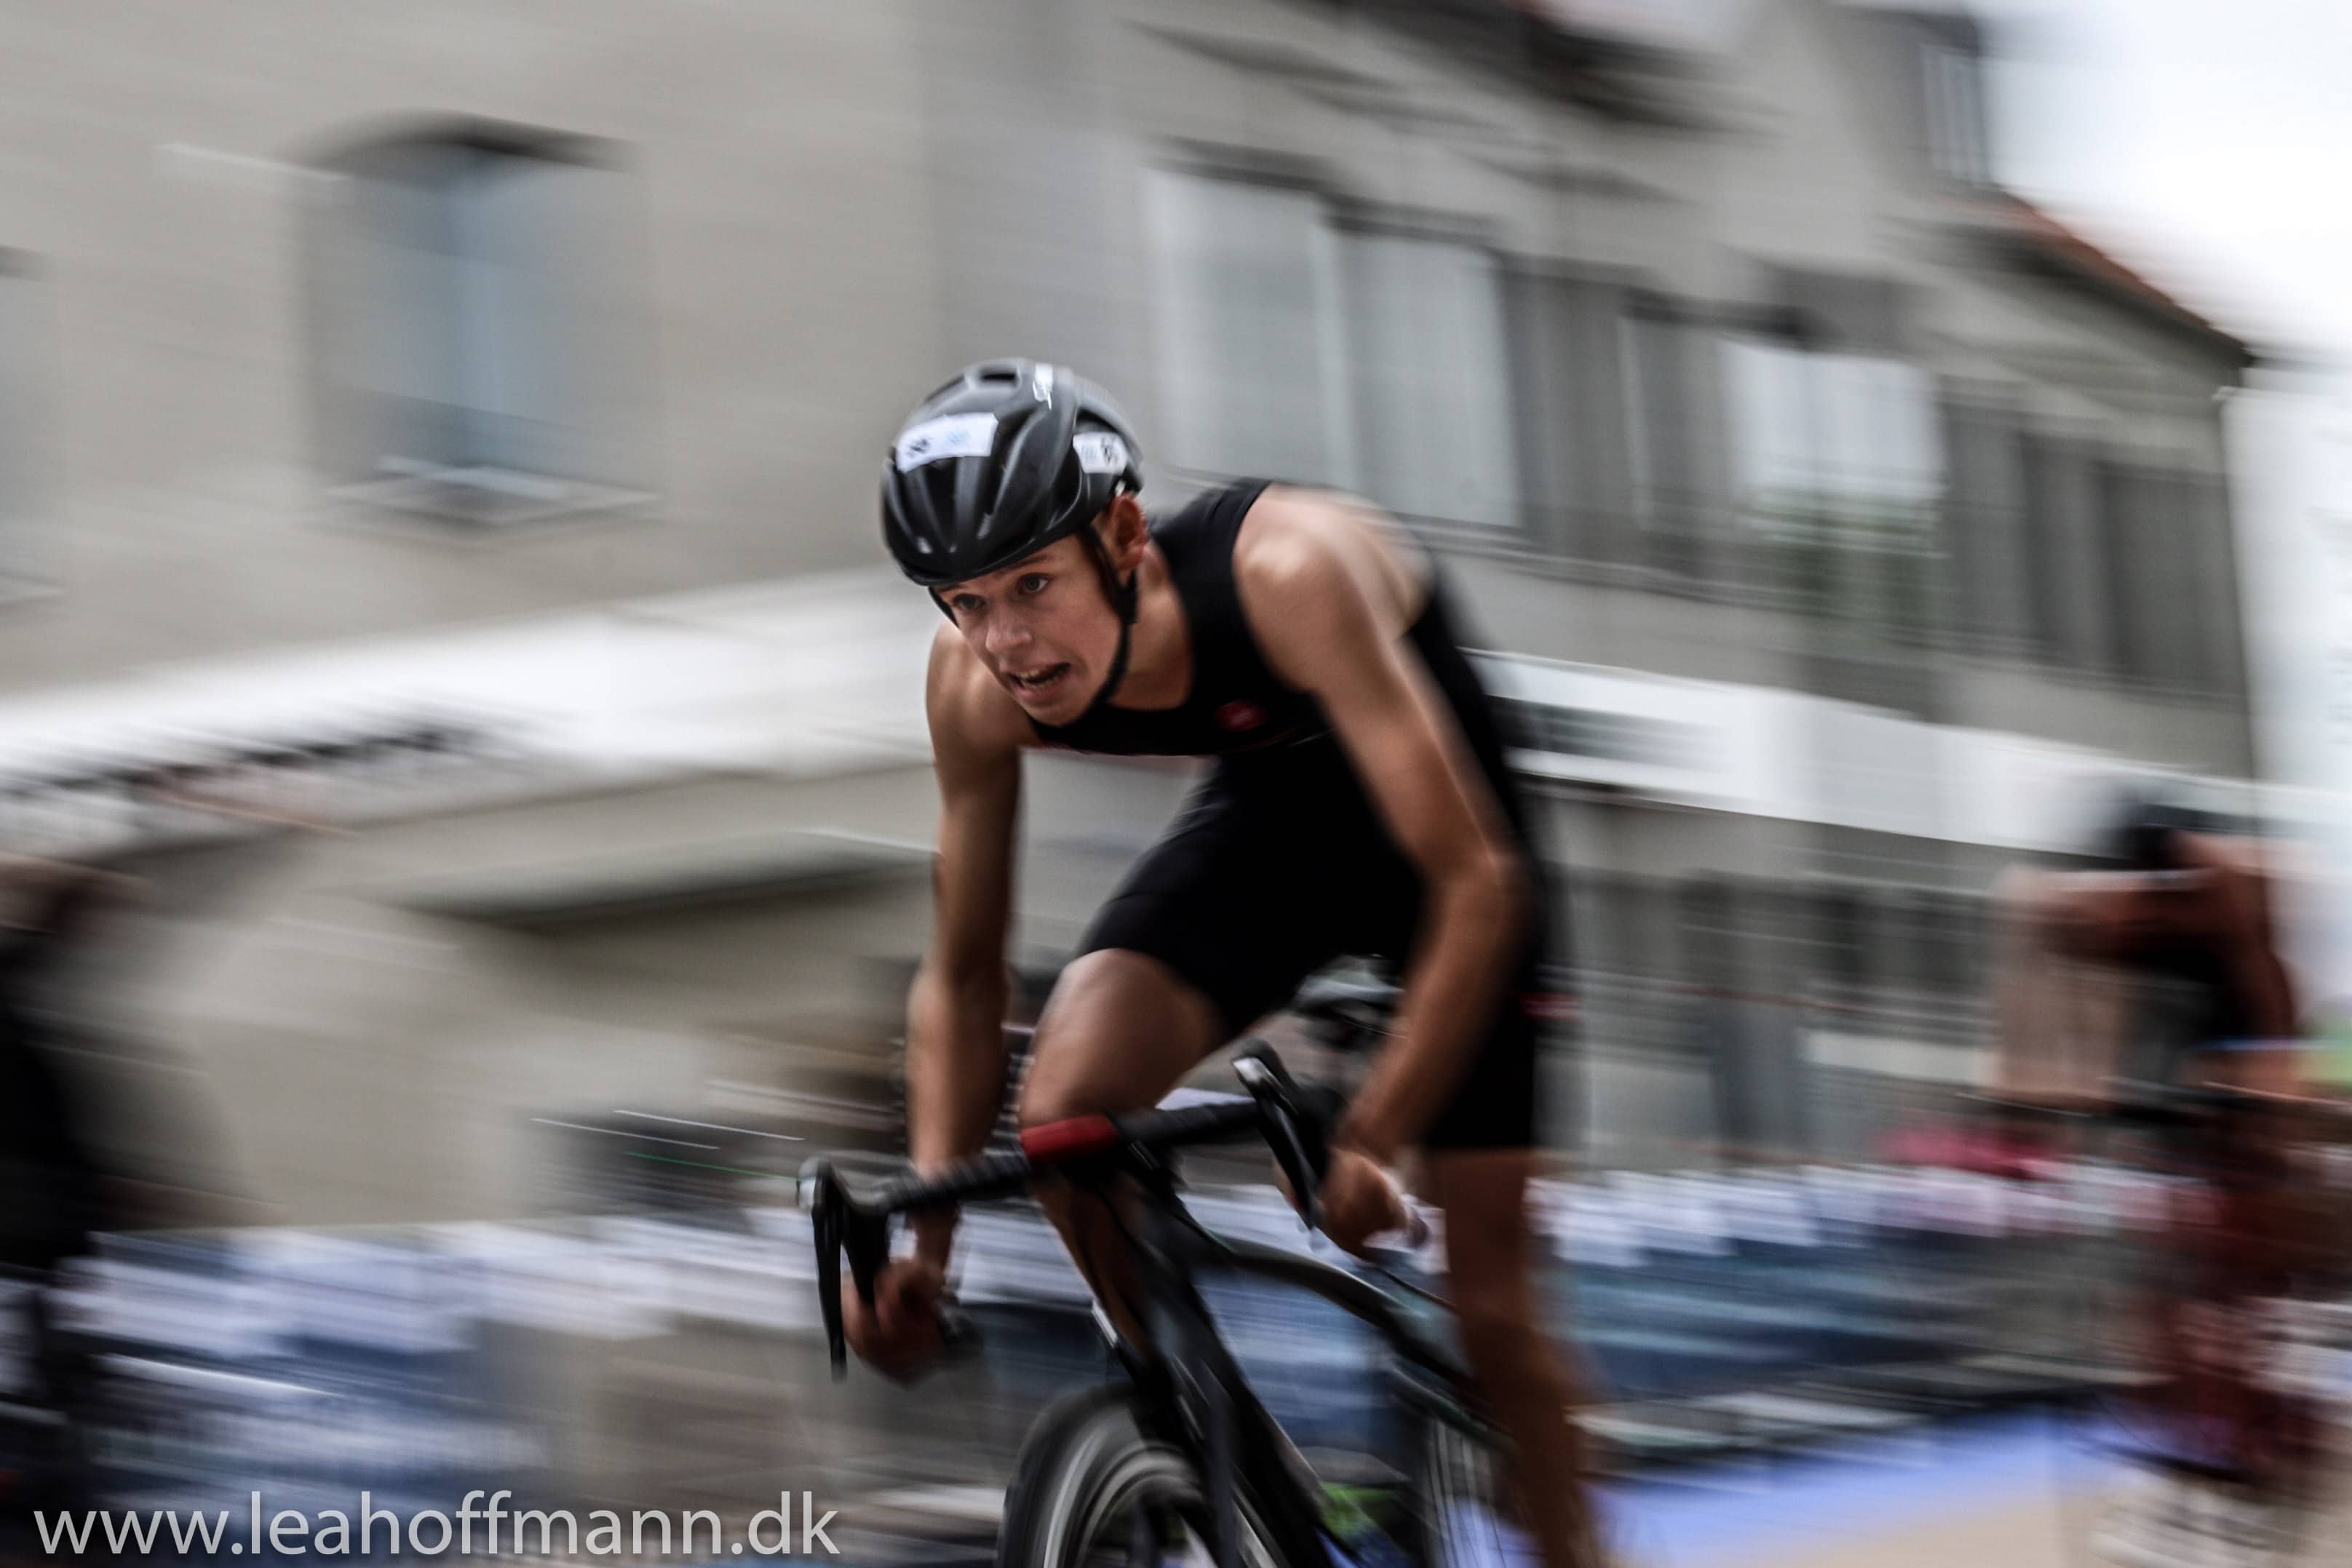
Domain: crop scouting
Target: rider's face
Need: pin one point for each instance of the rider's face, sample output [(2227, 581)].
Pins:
[(1044, 627)]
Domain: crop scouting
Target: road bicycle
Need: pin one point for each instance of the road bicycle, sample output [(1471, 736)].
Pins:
[(1175, 1457)]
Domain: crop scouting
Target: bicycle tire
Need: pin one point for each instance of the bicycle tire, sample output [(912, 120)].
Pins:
[(1464, 1515), (1084, 1471), (1471, 1522)]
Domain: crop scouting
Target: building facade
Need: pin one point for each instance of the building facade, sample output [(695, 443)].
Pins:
[(1829, 512)]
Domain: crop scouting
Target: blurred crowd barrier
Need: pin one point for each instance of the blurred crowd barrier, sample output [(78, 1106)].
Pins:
[(1720, 1312)]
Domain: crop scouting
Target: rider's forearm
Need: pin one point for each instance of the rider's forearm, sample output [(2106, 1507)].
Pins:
[(1477, 925), (2270, 994), (2022, 986), (2261, 976), (955, 1077)]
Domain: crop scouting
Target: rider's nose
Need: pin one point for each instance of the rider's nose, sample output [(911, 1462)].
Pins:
[(1007, 635)]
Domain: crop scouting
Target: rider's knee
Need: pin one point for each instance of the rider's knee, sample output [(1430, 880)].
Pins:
[(1054, 1098)]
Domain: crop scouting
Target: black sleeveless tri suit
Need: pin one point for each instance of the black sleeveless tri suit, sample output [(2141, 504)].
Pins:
[(1279, 864)]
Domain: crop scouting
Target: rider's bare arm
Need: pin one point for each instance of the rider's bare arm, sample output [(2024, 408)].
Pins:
[(2217, 900), (2242, 896), (955, 1015), (1330, 601), (2061, 1019)]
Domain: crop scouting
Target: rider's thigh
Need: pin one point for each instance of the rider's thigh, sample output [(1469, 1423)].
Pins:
[(1120, 1030)]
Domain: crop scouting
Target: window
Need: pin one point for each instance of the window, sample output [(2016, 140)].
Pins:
[(1955, 120), (1837, 469), (1654, 351), (1985, 531), (2151, 621), (1612, 389), (2067, 554), (1572, 396), (2129, 566), (1433, 409), (1836, 441), (1296, 347), (473, 327), (2173, 593), (2213, 567), (24, 572), (1249, 329)]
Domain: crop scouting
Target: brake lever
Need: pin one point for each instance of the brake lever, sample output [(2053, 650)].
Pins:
[(1301, 1164), (839, 1227), (822, 1196)]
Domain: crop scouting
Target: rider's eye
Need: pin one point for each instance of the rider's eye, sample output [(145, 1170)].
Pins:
[(1034, 582), (964, 604)]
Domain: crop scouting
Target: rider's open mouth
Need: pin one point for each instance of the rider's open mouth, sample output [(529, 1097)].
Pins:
[(1036, 682)]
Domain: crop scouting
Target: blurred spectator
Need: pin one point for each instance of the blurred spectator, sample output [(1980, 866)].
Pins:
[(52, 1192)]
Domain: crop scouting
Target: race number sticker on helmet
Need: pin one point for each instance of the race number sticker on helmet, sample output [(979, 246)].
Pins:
[(1100, 452), (950, 436)]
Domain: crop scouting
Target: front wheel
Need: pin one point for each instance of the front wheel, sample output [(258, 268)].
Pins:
[(1466, 1514), (1090, 1489)]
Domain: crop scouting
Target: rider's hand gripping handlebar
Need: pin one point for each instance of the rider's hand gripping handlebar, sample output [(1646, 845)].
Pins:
[(1296, 1121), (838, 1226), (841, 1226)]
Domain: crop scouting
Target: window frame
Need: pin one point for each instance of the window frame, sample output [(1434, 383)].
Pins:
[(468, 502), (1341, 214), (1953, 99)]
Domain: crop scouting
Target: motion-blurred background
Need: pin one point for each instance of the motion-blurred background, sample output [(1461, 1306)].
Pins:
[(438, 457)]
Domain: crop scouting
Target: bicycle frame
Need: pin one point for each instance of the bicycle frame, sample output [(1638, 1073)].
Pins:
[(1219, 1419), (1233, 1439), (1191, 1387)]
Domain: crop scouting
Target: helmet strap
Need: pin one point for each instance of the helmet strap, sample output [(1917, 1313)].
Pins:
[(1123, 599)]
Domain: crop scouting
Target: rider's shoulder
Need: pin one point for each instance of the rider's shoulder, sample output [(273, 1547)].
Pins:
[(1299, 539), (965, 703), (1297, 516), (1291, 529), (1306, 558)]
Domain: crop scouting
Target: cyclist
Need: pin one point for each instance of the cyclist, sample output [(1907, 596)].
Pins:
[(1357, 803), (2180, 913)]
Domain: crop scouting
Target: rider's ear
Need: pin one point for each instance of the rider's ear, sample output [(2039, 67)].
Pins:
[(1126, 531)]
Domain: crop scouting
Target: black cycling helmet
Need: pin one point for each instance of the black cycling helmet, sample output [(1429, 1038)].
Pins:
[(2142, 822), (1001, 462)]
